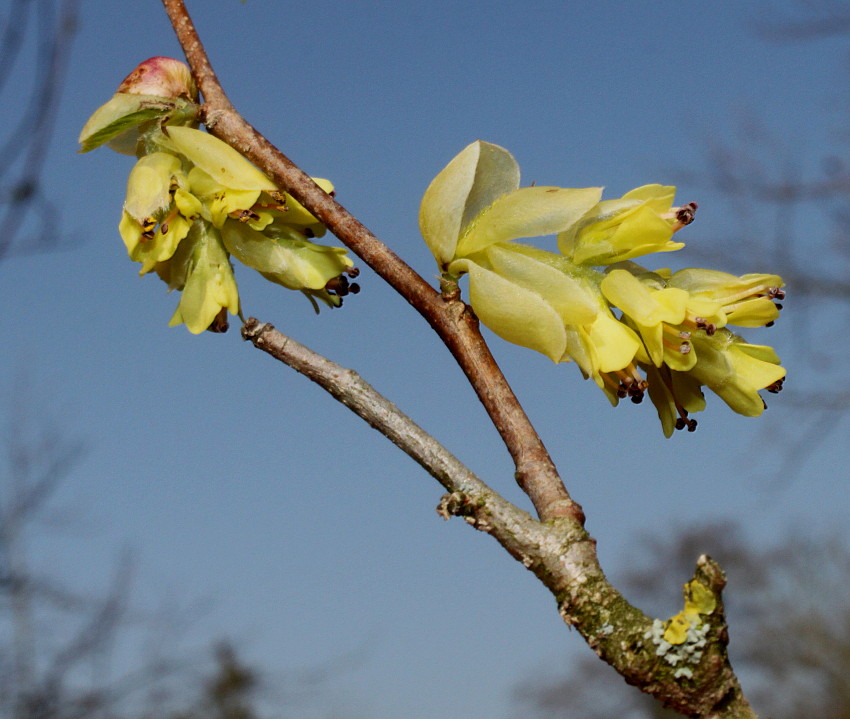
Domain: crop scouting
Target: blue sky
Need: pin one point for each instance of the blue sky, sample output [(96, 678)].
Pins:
[(239, 485)]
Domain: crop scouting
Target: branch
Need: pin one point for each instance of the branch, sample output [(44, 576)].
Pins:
[(561, 554), (451, 319), (557, 548)]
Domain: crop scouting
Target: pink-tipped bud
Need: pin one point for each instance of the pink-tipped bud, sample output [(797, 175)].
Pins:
[(163, 77)]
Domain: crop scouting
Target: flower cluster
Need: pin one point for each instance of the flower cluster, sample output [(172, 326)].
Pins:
[(193, 202), (630, 329)]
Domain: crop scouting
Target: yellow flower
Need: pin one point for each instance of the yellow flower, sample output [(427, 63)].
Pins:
[(200, 269), (639, 223), (289, 259), (657, 314), (158, 210), (736, 370), (537, 300), (746, 301), (476, 202)]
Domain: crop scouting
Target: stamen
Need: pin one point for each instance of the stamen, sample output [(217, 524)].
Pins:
[(219, 324), (682, 421), (616, 387), (776, 387), (685, 214), (776, 293), (164, 226), (683, 347), (631, 384), (701, 324), (244, 215)]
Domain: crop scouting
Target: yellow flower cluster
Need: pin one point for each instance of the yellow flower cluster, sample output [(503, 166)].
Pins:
[(193, 202), (670, 332)]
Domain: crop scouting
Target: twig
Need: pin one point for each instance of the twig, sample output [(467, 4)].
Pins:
[(557, 548), (453, 322)]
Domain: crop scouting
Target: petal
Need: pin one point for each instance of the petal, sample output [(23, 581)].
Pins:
[(157, 249), (513, 312), (570, 297), (658, 197), (296, 214), (290, 261), (615, 344), (149, 185), (647, 307), (218, 159), (472, 181), (528, 212), (736, 371), (210, 285)]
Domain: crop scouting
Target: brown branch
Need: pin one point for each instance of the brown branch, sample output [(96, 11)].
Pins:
[(452, 320)]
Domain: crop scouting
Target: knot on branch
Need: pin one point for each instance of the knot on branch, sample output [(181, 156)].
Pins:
[(253, 329), (459, 504), (709, 573)]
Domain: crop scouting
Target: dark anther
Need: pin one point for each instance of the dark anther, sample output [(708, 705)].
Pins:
[(340, 286), (353, 272), (622, 391), (637, 397), (248, 215), (686, 213), (778, 305), (710, 329), (680, 422), (692, 425), (776, 387), (219, 324), (337, 285), (149, 235), (770, 324), (164, 228), (776, 293)]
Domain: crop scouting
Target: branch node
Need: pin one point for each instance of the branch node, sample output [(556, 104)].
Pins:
[(253, 330), (459, 504)]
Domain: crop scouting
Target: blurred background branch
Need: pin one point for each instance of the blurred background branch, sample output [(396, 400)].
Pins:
[(31, 83)]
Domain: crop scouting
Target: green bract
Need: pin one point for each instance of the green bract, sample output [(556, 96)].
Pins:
[(613, 323), (192, 200)]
